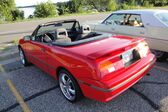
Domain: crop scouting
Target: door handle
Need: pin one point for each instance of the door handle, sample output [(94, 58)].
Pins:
[(42, 49)]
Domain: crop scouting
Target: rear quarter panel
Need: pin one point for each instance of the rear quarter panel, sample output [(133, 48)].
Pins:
[(79, 66), (157, 38)]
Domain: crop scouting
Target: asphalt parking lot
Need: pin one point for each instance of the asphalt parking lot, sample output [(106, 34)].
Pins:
[(41, 92)]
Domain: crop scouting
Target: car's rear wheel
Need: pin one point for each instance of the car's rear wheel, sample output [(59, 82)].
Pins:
[(160, 55), (23, 58), (69, 86)]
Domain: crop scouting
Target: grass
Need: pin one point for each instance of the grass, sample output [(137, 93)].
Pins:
[(15, 41)]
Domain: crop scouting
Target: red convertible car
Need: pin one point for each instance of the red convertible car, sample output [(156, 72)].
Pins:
[(95, 65)]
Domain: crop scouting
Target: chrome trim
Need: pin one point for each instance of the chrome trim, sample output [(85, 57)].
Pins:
[(122, 83)]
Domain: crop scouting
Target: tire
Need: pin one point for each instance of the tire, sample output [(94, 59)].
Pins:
[(161, 56), (23, 58), (69, 86)]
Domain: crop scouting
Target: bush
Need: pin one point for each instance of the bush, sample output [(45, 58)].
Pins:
[(147, 4), (17, 14), (47, 9), (112, 5), (6, 6), (62, 8), (125, 6), (132, 3)]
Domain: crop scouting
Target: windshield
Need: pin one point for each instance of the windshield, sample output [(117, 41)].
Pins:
[(53, 27), (163, 17)]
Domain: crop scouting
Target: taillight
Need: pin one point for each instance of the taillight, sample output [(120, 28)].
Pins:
[(143, 49), (106, 68)]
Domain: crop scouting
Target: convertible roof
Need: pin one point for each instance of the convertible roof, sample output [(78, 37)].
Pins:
[(59, 21)]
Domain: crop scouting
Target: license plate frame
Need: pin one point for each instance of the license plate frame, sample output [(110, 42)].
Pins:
[(127, 56)]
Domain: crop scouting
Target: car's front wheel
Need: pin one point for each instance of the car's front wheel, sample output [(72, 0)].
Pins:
[(69, 86), (22, 57), (160, 55)]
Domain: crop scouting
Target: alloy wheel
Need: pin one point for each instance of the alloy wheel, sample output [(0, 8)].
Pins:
[(67, 86)]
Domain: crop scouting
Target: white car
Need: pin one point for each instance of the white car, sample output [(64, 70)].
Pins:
[(150, 24)]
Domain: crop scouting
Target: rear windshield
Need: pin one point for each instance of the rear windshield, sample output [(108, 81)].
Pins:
[(163, 17)]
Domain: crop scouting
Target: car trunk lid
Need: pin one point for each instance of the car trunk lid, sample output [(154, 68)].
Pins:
[(100, 48)]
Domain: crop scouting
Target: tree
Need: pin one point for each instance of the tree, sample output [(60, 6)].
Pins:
[(47, 9), (6, 7), (75, 5), (63, 7), (17, 14), (103, 5), (112, 5)]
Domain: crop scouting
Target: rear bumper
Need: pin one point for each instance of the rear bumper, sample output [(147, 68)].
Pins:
[(109, 91)]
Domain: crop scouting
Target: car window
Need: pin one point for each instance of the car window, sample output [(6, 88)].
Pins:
[(115, 19), (163, 17), (125, 19), (134, 20)]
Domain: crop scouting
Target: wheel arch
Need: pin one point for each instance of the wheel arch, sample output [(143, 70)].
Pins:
[(61, 68)]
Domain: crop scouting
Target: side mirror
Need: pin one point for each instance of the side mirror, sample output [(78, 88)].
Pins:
[(27, 38)]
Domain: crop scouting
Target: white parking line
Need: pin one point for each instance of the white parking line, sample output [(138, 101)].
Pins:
[(18, 97)]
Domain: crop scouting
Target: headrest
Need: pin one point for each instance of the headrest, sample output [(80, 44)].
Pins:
[(61, 32), (85, 29)]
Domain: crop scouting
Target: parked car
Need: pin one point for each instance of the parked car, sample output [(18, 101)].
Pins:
[(99, 66), (149, 24)]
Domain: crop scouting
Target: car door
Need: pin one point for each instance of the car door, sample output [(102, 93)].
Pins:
[(108, 28), (110, 24), (133, 26), (37, 54), (118, 23)]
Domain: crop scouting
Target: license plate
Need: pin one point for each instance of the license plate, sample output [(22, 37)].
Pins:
[(127, 56)]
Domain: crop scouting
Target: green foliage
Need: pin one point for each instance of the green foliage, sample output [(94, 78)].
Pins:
[(6, 7), (63, 8), (112, 5), (47, 9), (75, 5), (147, 4), (17, 15), (132, 2), (125, 6), (102, 5)]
